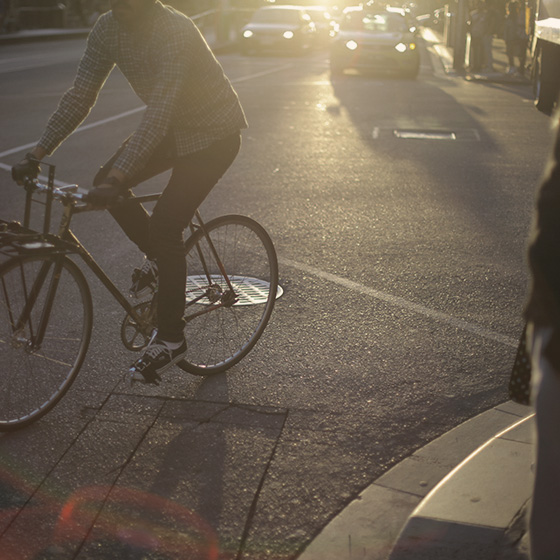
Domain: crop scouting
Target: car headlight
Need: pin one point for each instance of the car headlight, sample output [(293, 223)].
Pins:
[(288, 34), (247, 33), (351, 45), (402, 47)]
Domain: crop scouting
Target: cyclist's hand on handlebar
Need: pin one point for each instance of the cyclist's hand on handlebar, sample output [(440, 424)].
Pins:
[(107, 194), (27, 167)]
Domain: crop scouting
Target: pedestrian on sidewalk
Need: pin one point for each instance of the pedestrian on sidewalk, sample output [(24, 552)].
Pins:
[(543, 314), (515, 37), (477, 28), (490, 29)]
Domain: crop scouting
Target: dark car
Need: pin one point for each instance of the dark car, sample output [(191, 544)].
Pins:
[(278, 28), (375, 39)]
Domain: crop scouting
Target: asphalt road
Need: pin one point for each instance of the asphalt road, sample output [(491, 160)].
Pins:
[(399, 210)]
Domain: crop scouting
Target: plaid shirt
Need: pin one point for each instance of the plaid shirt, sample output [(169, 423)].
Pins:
[(171, 68)]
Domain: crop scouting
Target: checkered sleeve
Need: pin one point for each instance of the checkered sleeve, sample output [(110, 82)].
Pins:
[(168, 83), (75, 105)]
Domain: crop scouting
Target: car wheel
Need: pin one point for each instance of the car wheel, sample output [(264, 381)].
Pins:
[(545, 91)]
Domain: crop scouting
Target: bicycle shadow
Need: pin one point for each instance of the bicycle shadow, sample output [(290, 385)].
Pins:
[(210, 455), (198, 450)]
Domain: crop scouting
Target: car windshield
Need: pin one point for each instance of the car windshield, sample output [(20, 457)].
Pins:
[(276, 16), (374, 22)]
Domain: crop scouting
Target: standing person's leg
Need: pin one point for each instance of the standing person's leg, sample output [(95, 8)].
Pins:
[(522, 55), (510, 51), (476, 55), (545, 514), (192, 179), (488, 55)]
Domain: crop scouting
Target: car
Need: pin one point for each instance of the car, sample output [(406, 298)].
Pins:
[(371, 38), (278, 28)]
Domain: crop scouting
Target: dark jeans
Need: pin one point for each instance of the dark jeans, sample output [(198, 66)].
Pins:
[(160, 236)]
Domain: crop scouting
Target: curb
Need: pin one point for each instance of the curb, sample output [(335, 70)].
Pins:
[(417, 508), (469, 511)]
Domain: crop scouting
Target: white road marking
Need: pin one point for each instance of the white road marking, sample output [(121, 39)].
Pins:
[(402, 303)]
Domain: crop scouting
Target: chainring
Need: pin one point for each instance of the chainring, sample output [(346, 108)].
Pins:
[(136, 336)]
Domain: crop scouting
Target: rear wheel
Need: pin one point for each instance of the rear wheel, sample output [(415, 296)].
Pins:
[(37, 369), (224, 322)]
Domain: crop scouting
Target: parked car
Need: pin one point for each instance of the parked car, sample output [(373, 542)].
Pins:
[(375, 39), (278, 28)]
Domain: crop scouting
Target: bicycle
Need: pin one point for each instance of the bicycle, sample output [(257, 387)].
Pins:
[(46, 309)]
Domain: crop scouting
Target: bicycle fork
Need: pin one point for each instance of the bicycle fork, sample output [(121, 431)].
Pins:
[(33, 342), (214, 294)]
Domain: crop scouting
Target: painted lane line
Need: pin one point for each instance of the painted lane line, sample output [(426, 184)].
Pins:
[(80, 129), (402, 303)]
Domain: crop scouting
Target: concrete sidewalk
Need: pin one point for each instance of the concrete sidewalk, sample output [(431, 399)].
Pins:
[(463, 496)]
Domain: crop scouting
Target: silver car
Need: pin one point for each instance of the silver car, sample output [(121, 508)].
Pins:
[(278, 28)]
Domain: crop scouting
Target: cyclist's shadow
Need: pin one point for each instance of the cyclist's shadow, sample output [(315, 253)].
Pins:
[(191, 471)]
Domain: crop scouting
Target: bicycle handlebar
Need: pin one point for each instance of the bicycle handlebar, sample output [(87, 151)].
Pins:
[(69, 193), (65, 193)]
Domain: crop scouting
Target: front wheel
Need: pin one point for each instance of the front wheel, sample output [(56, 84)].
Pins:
[(45, 328), (224, 321)]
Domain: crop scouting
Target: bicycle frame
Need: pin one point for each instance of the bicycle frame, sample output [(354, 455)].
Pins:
[(65, 242)]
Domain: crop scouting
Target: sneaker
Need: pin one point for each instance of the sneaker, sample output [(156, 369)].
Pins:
[(144, 279), (157, 358)]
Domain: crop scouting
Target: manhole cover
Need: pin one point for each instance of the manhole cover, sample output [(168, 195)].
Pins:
[(249, 291)]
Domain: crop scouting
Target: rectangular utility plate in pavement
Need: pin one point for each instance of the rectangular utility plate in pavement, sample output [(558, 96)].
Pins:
[(436, 134)]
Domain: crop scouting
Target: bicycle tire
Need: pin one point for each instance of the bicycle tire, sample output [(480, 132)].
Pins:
[(33, 380), (219, 339)]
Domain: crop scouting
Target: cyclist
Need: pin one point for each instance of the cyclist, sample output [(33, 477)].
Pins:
[(191, 125)]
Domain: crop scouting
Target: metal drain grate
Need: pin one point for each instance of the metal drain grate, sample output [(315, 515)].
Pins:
[(250, 291), (424, 135), (457, 135)]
